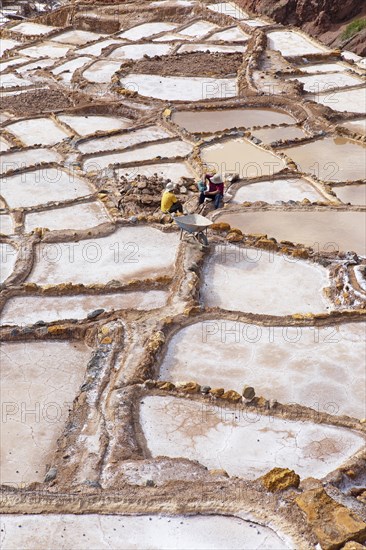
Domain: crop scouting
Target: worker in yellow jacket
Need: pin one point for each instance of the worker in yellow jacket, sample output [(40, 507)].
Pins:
[(169, 202)]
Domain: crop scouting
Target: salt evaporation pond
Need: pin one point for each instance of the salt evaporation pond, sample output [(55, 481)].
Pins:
[(358, 126), (101, 71), (75, 217), (37, 131), (42, 186), (292, 43), (169, 170), (234, 34), (174, 148), (135, 137), (242, 157), (343, 100), (24, 159), (4, 145), (232, 10), (128, 253), (46, 49), (138, 51), (6, 224), (36, 397), (255, 281), (29, 28), (198, 29), (271, 191), (89, 124), (327, 81), (216, 120), (324, 68), (103, 532), (7, 44), (180, 88), (66, 71), (268, 135), (331, 159), (96, 49), (146, 30), (76, 37), (242, 443), (27, 310), (318, 367), (8, 256), (353, 194), (326, 230), (212, 48)]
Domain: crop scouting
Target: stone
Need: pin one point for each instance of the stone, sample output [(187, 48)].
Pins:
[(248, 392), (221, 473), (217, 392), (220, 227), (332, 523), (167, 386), (106, 340), (280, 479), (232, 395), (95, 313), (190, 387), (205, 389), (352, 545), (51, 475), (234, 237)]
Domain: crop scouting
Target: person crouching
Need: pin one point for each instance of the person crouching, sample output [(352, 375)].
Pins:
[(169, 202), (215, 190)]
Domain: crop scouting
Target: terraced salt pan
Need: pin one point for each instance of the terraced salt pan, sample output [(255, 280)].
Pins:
[(96, 49), (174, 148), (353, 194), (271, 191), (9, 63), (172, 37), (345, 100), (129, 253), (138, 51), (12, 81), (46, 49), (291, 43), (321, 368), (358, 126), (6, 224), (42, 186), (30, 309), (4, 145), (76, 37), (89, 124), (226, 8), (221, 119), (7, 44), (147, 29), (39, 381), (28, 28), (180, 88), (93, 532), (101, 71), (170, 170), (24, 159), (255, 281), (7, 260), (217, 48), (34, 65), (150, 133), (78, 216), (327, 81), (38, 131), (199, 29), (324, 68), (243, 444), (242, 157), (268, 135), (230, 35), (66, 70), (331, 159), (327, 230)]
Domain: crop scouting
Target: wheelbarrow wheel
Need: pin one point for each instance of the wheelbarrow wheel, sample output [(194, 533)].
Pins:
[(202, 239)]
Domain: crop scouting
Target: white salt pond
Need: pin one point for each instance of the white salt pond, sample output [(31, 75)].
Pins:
[(234, 34), (96, 49), (128, 139), (327, 81), (26, 158), (76, 37), (242, 157), (217, 48), (198, 29), (226, 8), (6, 224), (256, 23), (27, 310), (325, 68), (180, 88), (321, 368), (34, 65), (89, 124), (152, 532), (38, 131), (216, 120), (138, 51), (353, 194), (4, 145), (76, 217), (255, 281), (29, 28), (46, 49), (358, 126), (66, 70), (129, 253), (12, 81), (7, 44), (268, 135), (243, 443), (169, 170), (39, 381), (292, 43), (271, 191), (344, 100), (42, 186), (331, 159), (7, 260), (9, 63), (101, 71), (328, 230), (147, 29), (174, 148)]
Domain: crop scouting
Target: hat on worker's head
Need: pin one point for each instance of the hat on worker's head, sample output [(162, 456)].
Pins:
[(216, 179), (169, 186)]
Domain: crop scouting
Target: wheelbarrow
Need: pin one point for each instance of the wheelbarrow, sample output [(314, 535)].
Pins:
[(194, 226)]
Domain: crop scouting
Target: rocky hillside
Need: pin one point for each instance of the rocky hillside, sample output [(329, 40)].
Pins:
[(328, 20)]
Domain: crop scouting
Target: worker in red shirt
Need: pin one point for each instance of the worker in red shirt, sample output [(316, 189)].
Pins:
[(215, 190)]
